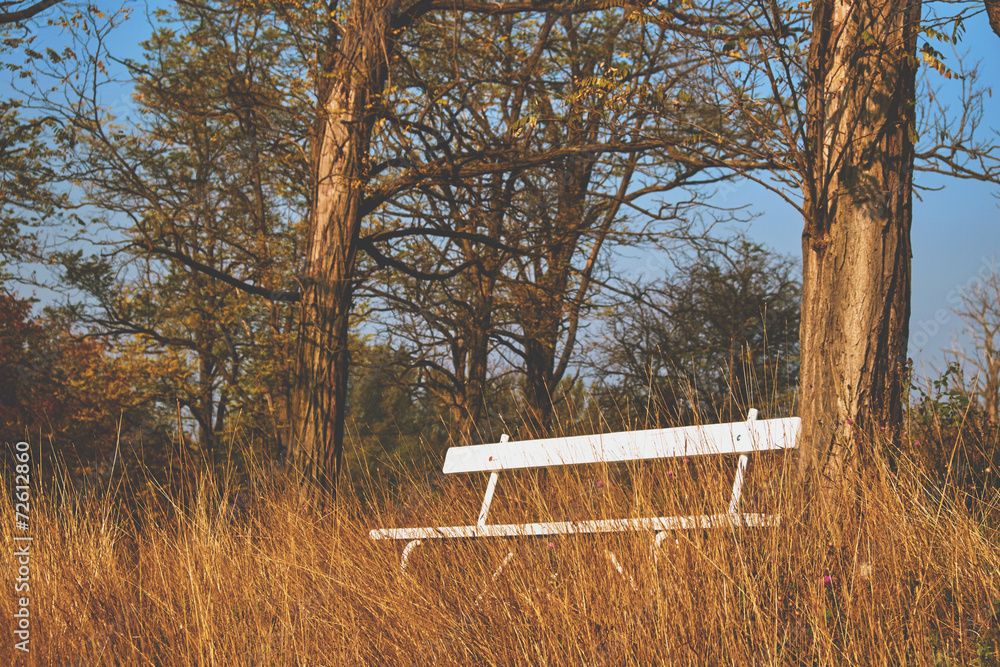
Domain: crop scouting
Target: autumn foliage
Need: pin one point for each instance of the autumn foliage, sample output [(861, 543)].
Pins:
[(65, 392)]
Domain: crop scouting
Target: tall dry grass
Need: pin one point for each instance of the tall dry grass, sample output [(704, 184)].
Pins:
[(215, 575)]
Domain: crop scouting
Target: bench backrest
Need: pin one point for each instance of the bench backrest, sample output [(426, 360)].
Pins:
[(735, 438)]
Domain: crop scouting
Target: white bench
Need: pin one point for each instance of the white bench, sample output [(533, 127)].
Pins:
[(741, 438)]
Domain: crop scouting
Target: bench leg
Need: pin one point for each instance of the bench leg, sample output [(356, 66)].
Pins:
[(496, 573), (614, 561), (741, 467), (657, 541), (410, 546)]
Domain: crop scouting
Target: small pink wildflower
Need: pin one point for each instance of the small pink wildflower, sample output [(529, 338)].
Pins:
[(552, 545), (670, 473), (849, 420), (687, 460), (827, 580), (599, 483), (916, 443)]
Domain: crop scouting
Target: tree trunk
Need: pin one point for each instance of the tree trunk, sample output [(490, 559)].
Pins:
[(481, 303), (856, 241), (352, 77), (538, 389), (993, 11), (477, 369), (203, 406), (548, 310)]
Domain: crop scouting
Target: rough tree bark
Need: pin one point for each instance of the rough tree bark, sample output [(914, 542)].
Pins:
[(353, 74), (993, 11), (856, 241)]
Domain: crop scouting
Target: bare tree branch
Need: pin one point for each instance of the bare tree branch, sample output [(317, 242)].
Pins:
[(8, 17)]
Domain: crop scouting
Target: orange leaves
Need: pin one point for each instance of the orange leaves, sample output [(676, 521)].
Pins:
[(70, 389), (934, 60)]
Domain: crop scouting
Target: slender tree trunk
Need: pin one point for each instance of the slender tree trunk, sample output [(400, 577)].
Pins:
[(538, 392), (856, 242), (482, 300), (353, 75), (464, 391), (203, 407), (477, 370), (548, 310)]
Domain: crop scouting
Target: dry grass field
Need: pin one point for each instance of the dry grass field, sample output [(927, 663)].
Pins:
[(213, 574)]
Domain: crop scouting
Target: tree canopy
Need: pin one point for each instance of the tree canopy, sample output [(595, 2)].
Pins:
[(442, 192)]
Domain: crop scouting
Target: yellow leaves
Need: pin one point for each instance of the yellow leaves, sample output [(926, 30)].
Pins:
[(524, 126), (934, 60), (734, 47), (937, 34)]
